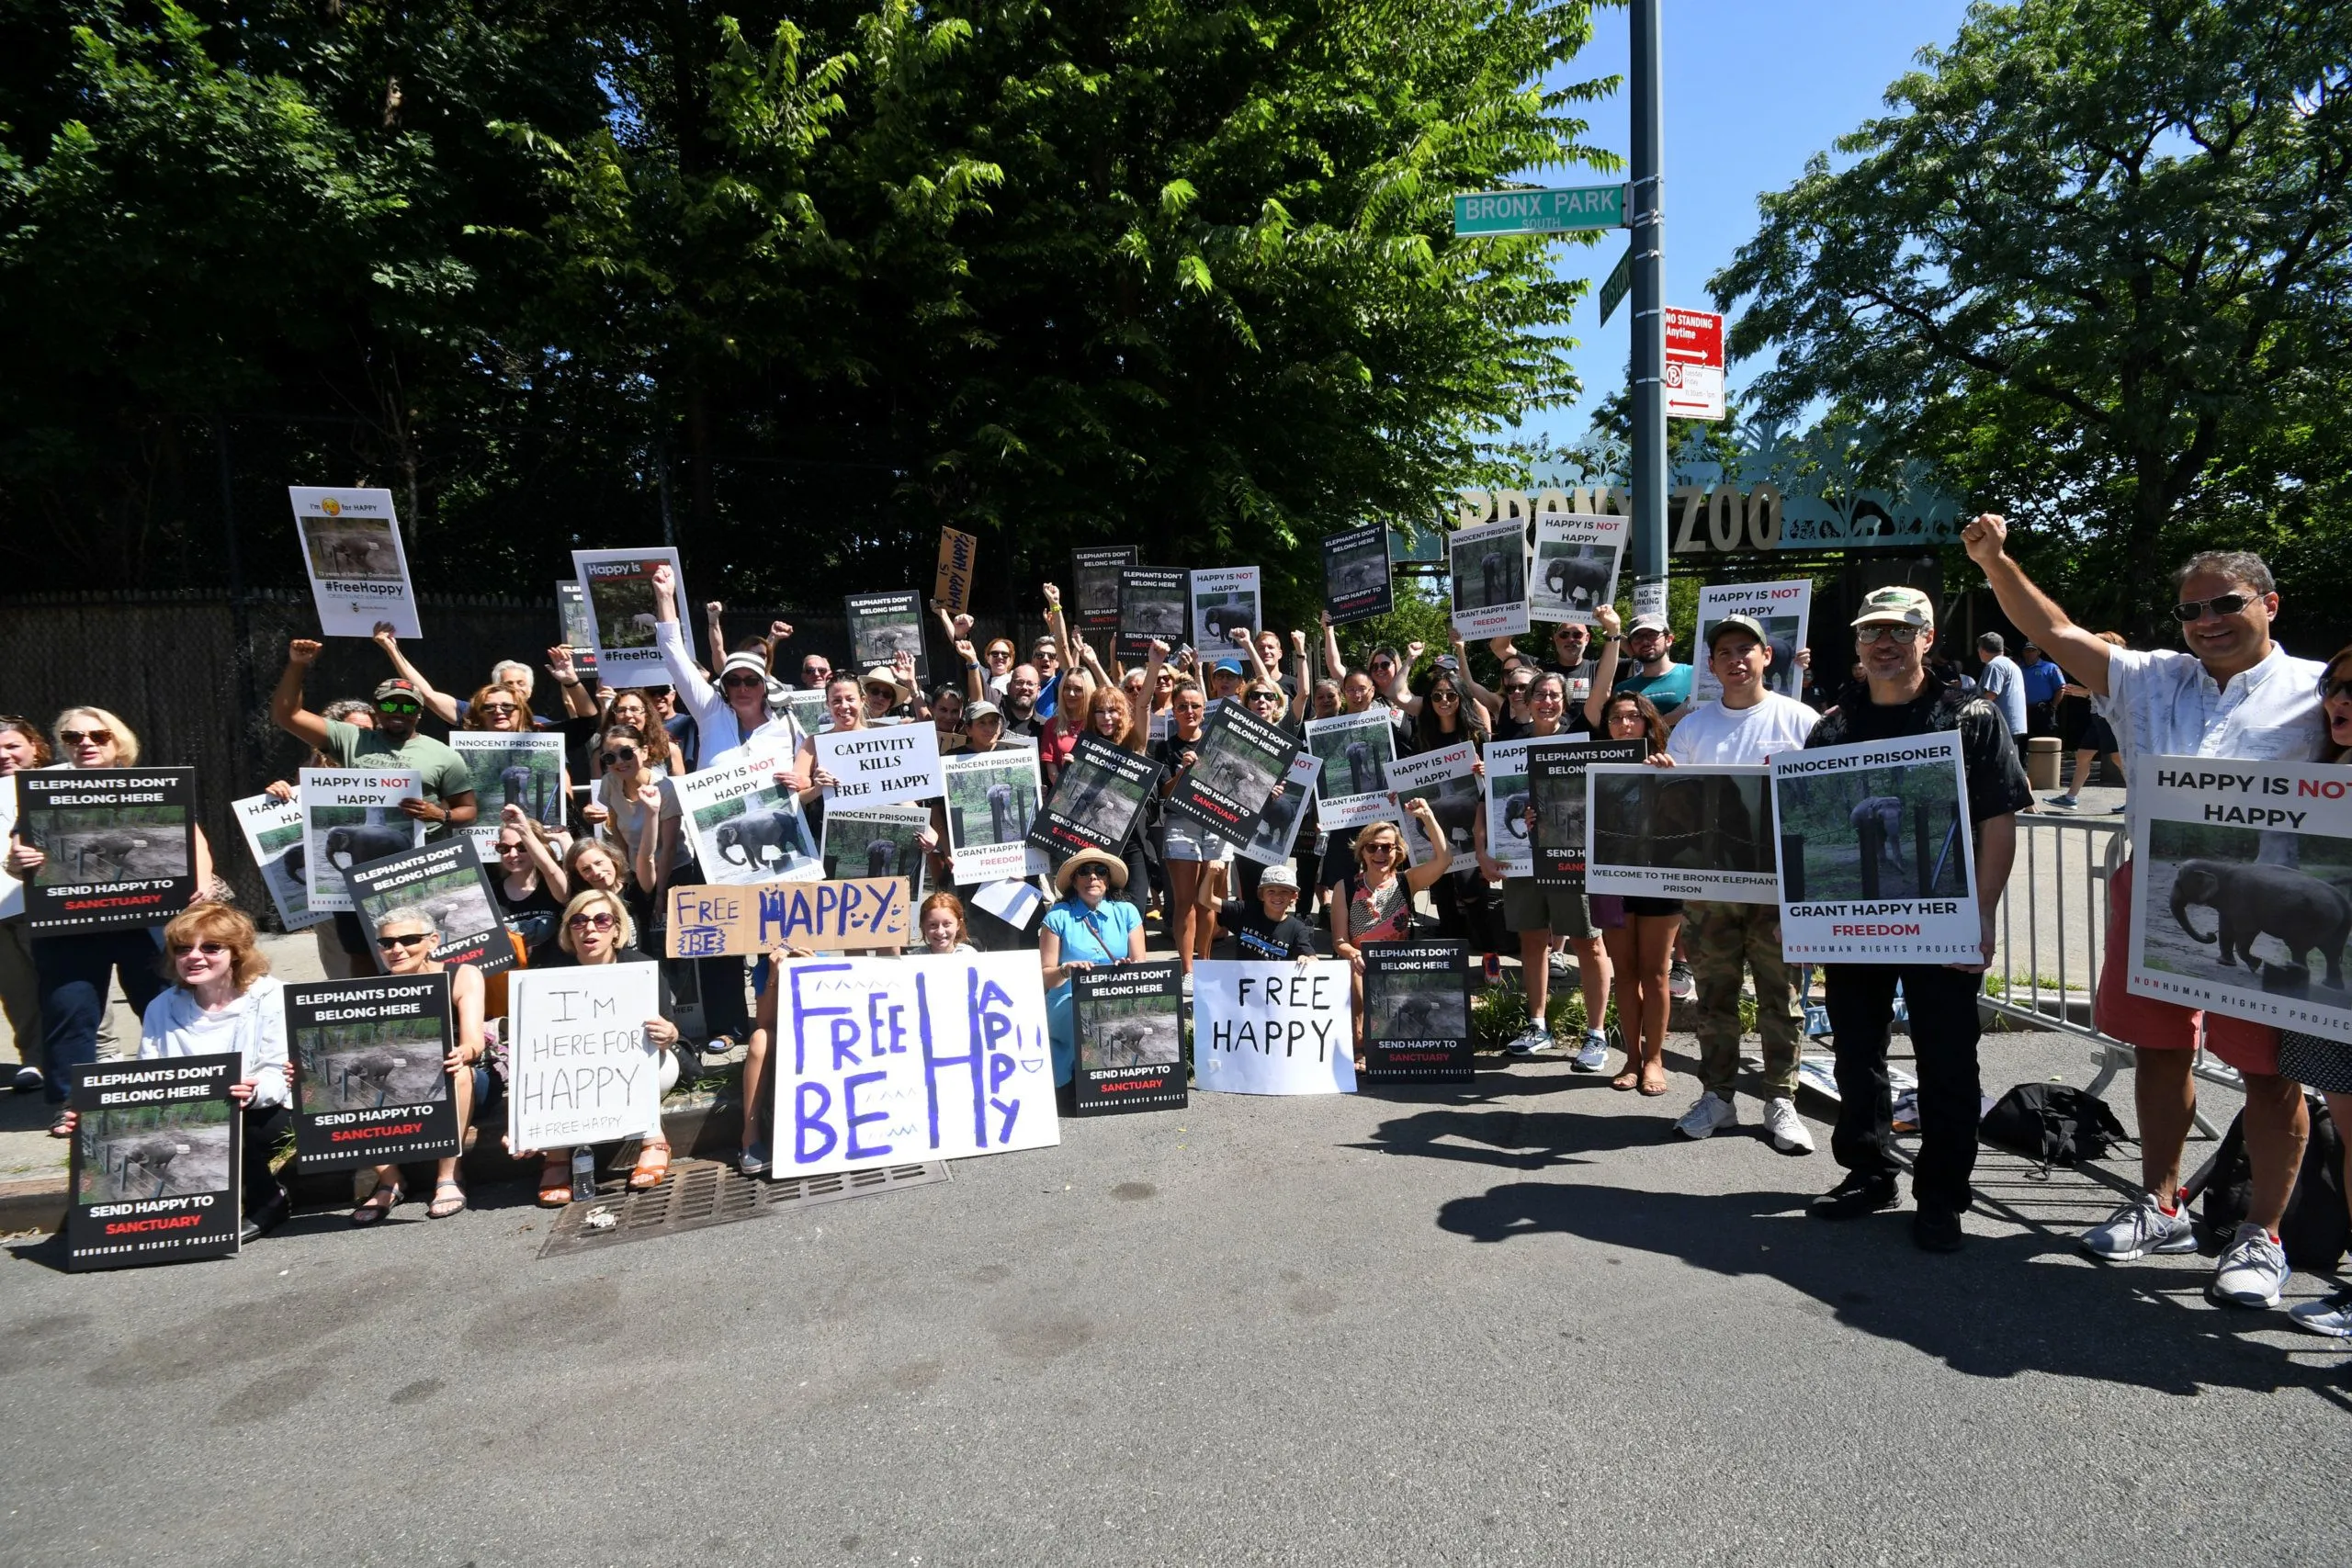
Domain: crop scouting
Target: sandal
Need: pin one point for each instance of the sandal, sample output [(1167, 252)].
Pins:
[(555, 1184), (652, 1165), (442, 1207), (61, 1128), (379, 1203), (1653, 1087), (1630, 1078)]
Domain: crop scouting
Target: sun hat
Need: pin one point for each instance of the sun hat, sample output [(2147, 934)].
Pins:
[(1115, 868)]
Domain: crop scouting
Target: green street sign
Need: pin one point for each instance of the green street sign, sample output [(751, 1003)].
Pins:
[(1540, 211)]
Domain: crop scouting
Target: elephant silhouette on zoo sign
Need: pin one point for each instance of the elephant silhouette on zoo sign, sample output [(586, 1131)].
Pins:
[(746, 840), (2254, 900)]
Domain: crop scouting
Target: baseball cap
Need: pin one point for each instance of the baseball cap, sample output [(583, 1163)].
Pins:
[(1279, 877), (1735, 623), (981, 710), (1228, 665), (1902, 606), (396, 687), (1647, 623)]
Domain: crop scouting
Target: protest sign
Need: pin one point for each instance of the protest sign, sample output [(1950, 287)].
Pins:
[(991, 805), (443, 884), (120, 847), (510, 769), (1153, 605), (619, 587), (1277, 834), (1555, 786), (877, 841), (351, 816), (1782, 608), (1489, 566), (1127, 1022), (1357, 749), (2241, 889), (371, 1075), (1093, 602), (883, 625), (351, 548), (1356, 581), (1443, 779), (273, 830), (578, 631), (1273, 1028), (807, 710), (953, 584), (1695, 831), (1097, 799), (1013, 901), (746, 827), (1576, 559), (1506, 806), (1876, 861), (1224, 600), (1234, 768), (877, 764), (888, 1061), (1417, 1013), (154, 1162), (581, 1067), (858, 912)]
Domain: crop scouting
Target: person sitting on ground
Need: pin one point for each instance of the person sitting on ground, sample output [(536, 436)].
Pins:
[(1085, 929), (597, 931), (406, 938), (940, 921), (1270, 928)]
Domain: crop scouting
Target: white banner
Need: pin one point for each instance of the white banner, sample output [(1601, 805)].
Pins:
[(351, 816), (992, 801), (877, 766), (1225, 600), (351, 548), (888, 1060), (272, 830), (1877, 863), (1273, 1028), (580, 1066), (1577, 560), (1782, 608), (1690, 831), (2242, 888), (618, 586), (1489, 566), (744, 825), (1357, 751)]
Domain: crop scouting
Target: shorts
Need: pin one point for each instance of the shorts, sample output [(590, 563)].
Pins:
[(1635, 905), (1560, 910), (1181, 839), (2150, 1023)]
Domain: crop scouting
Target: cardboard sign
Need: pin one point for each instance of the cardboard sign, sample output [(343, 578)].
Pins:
[(2242, 888), (883, 625), (1095, 802), (991, 805), (1417, 1013), (1443, 779), (861, 912), (886, 1061), (155, 1162), (878, 764), (1489, 567), (1555, 786), (1877, 862), (1154, 605), (746, 827), (351, 816), (1356, 581), (1093, 600), (1127, 1022), (442, 884), (953, 585), (1277, 836), (1357, 749), (577, 632), (877, 841), (273, 830), (524, 770), (581, 1067), (120, 844), (1273, 1028), (371, 1077), (1234, 768), (1783, 608), (1695, 831), (358, 568), (1225, 600), (1578, 556), (619, 588)]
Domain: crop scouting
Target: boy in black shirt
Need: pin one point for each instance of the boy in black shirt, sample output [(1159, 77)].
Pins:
[(1269, 931)]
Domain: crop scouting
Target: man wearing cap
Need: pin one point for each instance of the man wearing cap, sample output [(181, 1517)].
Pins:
[(731, 717), (1271, 928), (1893, 634), (2235, 693), (1744, 726), (449, 798), (1649, 644)]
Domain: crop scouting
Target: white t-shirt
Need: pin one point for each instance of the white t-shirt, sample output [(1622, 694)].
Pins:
[(254, 1026), (1743, 737)]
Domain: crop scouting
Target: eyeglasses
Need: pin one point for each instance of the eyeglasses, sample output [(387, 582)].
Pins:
[(396, 705), (618, 755), (1445, 694), (87, 736), (600, 920), (1905, 636), (1383, 848), (815, 672), (496, 707), (2221, 604), (1544, 694), (506, 848), (401, 942), (742, 678), (209, 949)]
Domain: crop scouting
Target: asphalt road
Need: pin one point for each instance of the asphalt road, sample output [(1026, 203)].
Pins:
[(1507, 1325)]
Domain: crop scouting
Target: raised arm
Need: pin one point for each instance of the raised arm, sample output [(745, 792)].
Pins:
[(1248, 642), (975, 683), (1298, 670), (1053, 621), (534, 846), (687, 676), (1489, 700), (2035, 615), (577, 703), (1333, 665), (285, 709), (779, 633), (1400, 686), (440, 705), (1604, 673), (1421, 877), (717, 643)]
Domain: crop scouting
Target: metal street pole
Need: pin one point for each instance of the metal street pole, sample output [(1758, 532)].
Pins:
[(1646, 200)]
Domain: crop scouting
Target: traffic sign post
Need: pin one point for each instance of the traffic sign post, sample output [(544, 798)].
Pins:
[(1694, 365), (1562, 212)]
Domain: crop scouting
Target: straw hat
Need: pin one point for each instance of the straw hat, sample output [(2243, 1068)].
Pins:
[(1111, 863)]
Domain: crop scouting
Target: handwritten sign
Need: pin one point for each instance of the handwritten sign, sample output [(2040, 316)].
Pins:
[(882, 1061), (876, 765), (581, 1067), (952, 586), (1273, 1028), (708, 922)]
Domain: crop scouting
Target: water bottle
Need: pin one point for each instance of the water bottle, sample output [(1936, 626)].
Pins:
[(583, 1174)]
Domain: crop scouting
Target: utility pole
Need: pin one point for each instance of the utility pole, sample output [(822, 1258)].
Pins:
[(1646, 215)]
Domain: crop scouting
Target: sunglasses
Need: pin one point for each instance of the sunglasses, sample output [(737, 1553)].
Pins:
[(1000, 653), (87, 736), (743, 678), (1519, 688), (209, 949), (1090, 872), (1261, 696), (613, 759), (396, 705), (1382, 848), (2221, 604), (1445, 694), (1905, 636), (1383, 664), (600, 920), (2335, 688), (401, 942), (507, 848), (497, 708)]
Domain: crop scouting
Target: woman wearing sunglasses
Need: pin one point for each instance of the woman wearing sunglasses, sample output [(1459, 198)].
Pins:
[(1641, 949), (597, 930), (405, 939), (1086, 929), (22, 745), (1374, 902), (528, 881), (731, 716)]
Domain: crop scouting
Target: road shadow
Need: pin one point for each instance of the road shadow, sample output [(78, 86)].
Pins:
[(1512, 1138)]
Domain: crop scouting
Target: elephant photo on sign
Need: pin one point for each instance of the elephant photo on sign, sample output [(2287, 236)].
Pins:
[(1230, 767), (352, 549), (2247, 908), (1672, 821), (1121, 1032), (1895, 832), (1152, 611), (876, 841), (1358, 573), (1098, 800), (102, 843), (753, 838), (1355, 758), (456, 903), (993, 806), (623, 607), (1414, 1004), (135, 1154), (1574, 578), (366, 1066), (1454, 804), (1488, 574)]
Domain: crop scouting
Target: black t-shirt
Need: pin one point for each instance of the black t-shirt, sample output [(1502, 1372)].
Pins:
[(532, 916), (1256, 937), (1988, 758)]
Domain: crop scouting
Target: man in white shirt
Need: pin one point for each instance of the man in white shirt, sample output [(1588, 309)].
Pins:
[(2234, 694), (1744, 725)]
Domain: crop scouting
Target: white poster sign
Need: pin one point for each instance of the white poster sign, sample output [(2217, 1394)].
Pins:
[(888, 1061), (273, 830), (745, 826), (1356, 751), (1578, 556), (1273, 1028), (1443, 779), (992, 801), (581, 1068), (1224, 600), (1877, 862), (1489, 566), (522, 769), (1697, 831), (877, 766), (1506, 800), (619, 587), (351, 546), (351, 816), (1782, 608)]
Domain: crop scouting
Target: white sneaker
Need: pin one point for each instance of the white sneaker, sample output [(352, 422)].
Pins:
[(1707, 1115), (2252, 1272), (1790, 1134), (1681, 986), (1594, 1056), (2139, 1228), (2331, 1315), (1561, 962), (1535, 1039)]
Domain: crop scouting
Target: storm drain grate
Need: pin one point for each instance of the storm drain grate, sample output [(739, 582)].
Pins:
[(700, 1193)]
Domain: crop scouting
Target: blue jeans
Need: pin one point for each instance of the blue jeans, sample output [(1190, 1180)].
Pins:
[(75, 973)]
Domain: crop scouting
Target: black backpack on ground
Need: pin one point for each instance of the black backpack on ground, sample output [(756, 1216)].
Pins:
[(2316, 1229), (2052, 1122)]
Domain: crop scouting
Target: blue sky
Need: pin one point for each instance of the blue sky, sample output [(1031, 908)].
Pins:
[(1753, 88)]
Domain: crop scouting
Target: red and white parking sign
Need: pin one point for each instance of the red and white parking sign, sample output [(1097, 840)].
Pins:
[(1694, 365)]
